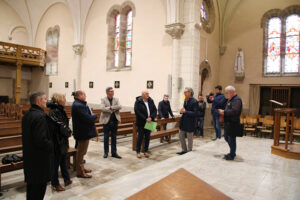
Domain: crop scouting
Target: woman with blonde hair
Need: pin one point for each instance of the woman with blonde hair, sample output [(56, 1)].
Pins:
[(61, 132)]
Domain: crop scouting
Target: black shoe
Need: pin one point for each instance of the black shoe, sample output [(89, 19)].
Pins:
[(105, 155), (214, 139), (83, 162), (181, 153), (116, 156), (228, 157)]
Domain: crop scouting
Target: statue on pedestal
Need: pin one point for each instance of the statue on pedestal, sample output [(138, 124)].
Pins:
[(239, 67)]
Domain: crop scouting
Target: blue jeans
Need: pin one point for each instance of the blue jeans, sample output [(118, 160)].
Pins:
[(201, 120), (110, 127), (141, 134), (217, 125), (60, 160), (231, 140)]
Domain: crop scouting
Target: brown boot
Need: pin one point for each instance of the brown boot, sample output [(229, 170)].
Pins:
[(139, 155), (147, 155), (69, 182), (58, 188)]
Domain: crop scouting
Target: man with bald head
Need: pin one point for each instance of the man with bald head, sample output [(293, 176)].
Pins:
[(83, 130), (232, 126), (145, 111)]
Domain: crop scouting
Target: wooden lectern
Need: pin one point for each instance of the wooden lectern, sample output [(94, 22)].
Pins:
[(287, 148)]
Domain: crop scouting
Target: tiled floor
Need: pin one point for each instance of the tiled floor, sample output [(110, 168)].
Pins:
[(255, 174)]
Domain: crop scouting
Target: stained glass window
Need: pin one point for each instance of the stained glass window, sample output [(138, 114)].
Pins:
[(273, 54), (117, 41), (203, 12), (292, 44), (129, 39)]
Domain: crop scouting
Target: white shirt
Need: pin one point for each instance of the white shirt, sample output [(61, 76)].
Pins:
[(147, 106)]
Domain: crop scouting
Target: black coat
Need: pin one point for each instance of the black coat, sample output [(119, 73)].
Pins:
[(59, 128), (187, 121), (83, 121), (164, 109), (37, 143), (141, 111), (201, 108), (232, 115)]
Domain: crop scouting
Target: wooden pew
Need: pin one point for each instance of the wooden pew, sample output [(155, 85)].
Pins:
[(158, 134), (9, 124), (11, 131)]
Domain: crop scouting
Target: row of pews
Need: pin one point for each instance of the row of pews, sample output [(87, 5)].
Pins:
[(11, 132)]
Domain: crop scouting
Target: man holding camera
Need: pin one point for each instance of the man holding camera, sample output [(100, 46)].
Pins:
[(218, 102)]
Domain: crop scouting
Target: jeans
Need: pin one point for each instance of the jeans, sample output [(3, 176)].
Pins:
[(141, 134), (231, 140), (165, 128), (110, 127), (217, 125), (60, 160), (201, 120), (36, 191)]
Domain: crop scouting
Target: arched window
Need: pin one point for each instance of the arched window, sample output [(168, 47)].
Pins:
[(273, 40), (203, 12), (117, 41), (291, 61), (52, 39), (281, 41), (129, 39), (119, 45)]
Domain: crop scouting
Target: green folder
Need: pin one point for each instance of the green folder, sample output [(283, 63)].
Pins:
[(150, 126)]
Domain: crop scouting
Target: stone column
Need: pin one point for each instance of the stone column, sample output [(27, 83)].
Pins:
[(18, 82), (175, 30), (78, 48)]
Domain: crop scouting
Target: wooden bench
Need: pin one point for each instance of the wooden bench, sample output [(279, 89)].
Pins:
[(9, 124), (158, 134), (14, 144), (10, 131)]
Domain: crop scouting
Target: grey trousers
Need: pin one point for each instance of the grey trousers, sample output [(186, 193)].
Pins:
[(189, 135)]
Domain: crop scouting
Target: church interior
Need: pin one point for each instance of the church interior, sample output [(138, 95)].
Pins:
[(162, 46)]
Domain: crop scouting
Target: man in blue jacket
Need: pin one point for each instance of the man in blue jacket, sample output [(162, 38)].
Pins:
[(187, 122), (218, 102), (83, 130)]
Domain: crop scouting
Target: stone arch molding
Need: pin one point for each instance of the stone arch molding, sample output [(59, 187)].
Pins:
[(122, 9), (13, 28)]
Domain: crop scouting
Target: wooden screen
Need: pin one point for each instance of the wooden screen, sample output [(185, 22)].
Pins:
[(281, 94)]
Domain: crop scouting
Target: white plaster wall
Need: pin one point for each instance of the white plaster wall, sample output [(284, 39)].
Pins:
[(57, 14), (8, 19), (151, 57), (244, 32)]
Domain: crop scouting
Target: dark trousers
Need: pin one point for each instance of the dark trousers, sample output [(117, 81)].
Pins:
[(201, 120), (165, 128), (36, 191), (60, 160), (112, 128), (231, 140), (217, 125), (141, 134)]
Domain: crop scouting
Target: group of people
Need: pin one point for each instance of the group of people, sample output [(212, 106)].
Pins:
[(45, 137)]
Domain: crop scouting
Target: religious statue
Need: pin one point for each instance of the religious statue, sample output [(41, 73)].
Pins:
[(239, 67)]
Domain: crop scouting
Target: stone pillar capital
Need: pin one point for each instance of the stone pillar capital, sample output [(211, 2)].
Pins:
[(78, 48), (175, 30)]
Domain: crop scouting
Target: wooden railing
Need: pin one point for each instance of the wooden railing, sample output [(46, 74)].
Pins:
[(27, 55)]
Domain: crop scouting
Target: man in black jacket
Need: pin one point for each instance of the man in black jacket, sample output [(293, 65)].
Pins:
[(187, 121), (38, 153), (164, 108), (84, 129), (145, 111), (200, 116), (232, 126)]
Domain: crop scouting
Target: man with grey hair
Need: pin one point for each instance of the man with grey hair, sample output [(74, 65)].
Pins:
[(187, 121), (37, 144), (110, 116), (232, 126)]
